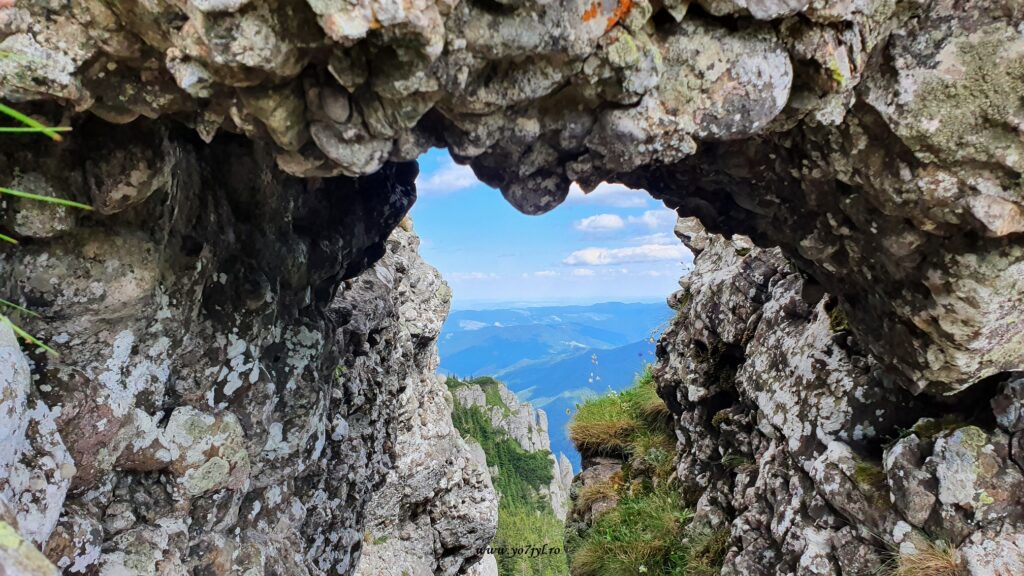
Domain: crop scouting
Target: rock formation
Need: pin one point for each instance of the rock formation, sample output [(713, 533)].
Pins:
[(876, 142), (596, 472), (220, 403), (437, 510), (526, 425), (225, 399), (794, 436)]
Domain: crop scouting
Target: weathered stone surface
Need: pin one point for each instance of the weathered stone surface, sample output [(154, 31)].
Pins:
[(877, 143), (35, 467), (595, 471), (196, 410), (835, 459), (437, 510), (1008, 405)]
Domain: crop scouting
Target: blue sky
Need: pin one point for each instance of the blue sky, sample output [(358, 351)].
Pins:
[(612, 244)]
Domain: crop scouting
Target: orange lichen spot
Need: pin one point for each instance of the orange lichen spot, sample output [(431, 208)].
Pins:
[(620, 12), (590, 13), (374, 22)]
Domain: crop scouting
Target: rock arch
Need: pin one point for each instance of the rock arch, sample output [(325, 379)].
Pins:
[(246, 157)]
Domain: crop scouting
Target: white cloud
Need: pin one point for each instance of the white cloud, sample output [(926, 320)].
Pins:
[(658, 238), (449, 177), (615, 195), (582, 272), (601, 223), (472, 276), (644, 253), (654, 218), (545, 274)]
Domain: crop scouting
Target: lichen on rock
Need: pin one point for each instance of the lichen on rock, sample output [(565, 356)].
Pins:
[(841, 463), (248, 158), (437, 510)]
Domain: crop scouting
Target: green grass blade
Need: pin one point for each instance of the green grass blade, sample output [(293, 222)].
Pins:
[(17, 307), (5, 109), (26, 336), (49, 199), (8, 239), (26, 129)]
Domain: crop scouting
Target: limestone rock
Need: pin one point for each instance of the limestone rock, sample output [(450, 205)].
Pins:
[(35, 467), (595, 471), (437, 510), (226, 390), (876, 143), (245, 162), (761, 365), (527, 425)]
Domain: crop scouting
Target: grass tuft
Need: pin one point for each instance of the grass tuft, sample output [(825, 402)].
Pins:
[(933, 558), (47, 199), (639, 536), (593, 493), (706, 551), (608, 424), (602, 425), (30, 130)]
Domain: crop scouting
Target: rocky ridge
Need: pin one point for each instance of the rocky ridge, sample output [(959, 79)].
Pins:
[(437, 510), (526, 425)]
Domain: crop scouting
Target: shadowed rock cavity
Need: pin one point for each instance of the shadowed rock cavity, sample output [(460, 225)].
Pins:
[(245, 157), (225, 399)]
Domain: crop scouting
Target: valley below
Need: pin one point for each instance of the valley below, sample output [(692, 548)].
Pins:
[(555, 357)]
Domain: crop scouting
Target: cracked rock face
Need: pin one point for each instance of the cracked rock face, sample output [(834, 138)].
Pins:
[(437, 510), (225, 399), (794, 437)]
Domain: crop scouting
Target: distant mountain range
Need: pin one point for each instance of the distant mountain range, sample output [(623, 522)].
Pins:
[(554, 356)]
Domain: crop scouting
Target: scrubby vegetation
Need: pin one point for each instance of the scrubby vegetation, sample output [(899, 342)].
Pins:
[(520, 473), (540, 532), (649, 530), (642, 534), (529, 540), (620, 423)]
